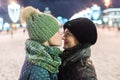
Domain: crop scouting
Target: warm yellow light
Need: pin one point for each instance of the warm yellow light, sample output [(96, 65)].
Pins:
[(95, 5), (12, 1), (107, 3)]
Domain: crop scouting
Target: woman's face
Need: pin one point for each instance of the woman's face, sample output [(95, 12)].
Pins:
[(56, 40), (69, 40)]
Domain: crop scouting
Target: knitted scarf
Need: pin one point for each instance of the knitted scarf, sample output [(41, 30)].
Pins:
[(43, 56), (79, 52)]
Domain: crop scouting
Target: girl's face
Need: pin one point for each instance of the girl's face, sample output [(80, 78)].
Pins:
[(69, 40), (56, 40)]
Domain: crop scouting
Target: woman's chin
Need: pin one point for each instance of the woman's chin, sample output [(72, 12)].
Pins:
[(65, 47)]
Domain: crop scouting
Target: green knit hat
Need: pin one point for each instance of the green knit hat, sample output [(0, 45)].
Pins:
[(41, 27)]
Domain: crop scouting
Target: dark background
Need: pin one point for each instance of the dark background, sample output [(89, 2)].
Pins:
[(64, 8)]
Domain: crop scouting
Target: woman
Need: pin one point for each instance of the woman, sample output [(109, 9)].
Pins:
[(42, 55), (80, 34)]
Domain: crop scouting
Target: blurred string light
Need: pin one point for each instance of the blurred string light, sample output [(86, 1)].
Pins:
[(112, 16), (62, 20), (96, 11), (14, 11), (84, 13), (47, 10), (107, 3), (92, 13), (6, 26), (1, 23)]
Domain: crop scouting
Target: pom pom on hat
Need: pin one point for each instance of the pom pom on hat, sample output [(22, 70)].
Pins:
[(41, 27), (28, 12)]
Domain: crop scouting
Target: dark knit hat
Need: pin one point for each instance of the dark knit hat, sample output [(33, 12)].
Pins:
[(41, 27), (83, 29)]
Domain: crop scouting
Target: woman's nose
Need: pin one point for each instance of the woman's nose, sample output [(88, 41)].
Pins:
[(63, 38)]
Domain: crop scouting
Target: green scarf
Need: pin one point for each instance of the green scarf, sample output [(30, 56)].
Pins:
[(79, 52), (43, 56)]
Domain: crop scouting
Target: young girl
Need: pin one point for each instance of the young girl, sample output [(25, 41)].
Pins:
[(42, 57)]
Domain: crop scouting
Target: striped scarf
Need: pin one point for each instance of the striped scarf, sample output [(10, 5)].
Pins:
[(43, 56)]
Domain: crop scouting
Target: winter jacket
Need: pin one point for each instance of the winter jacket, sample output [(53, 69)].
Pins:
[(41, 63), (76, 64), (32, 72)]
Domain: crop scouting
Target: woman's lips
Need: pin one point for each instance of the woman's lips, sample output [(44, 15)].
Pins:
[(65, 42)]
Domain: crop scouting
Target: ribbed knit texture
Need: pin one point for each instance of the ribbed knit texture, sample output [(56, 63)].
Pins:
[(41, 27)]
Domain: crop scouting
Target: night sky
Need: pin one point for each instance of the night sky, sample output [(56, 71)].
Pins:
[(64, 8)]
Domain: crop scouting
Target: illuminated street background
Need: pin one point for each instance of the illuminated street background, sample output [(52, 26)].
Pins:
[(104, 13), (105, 55)]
